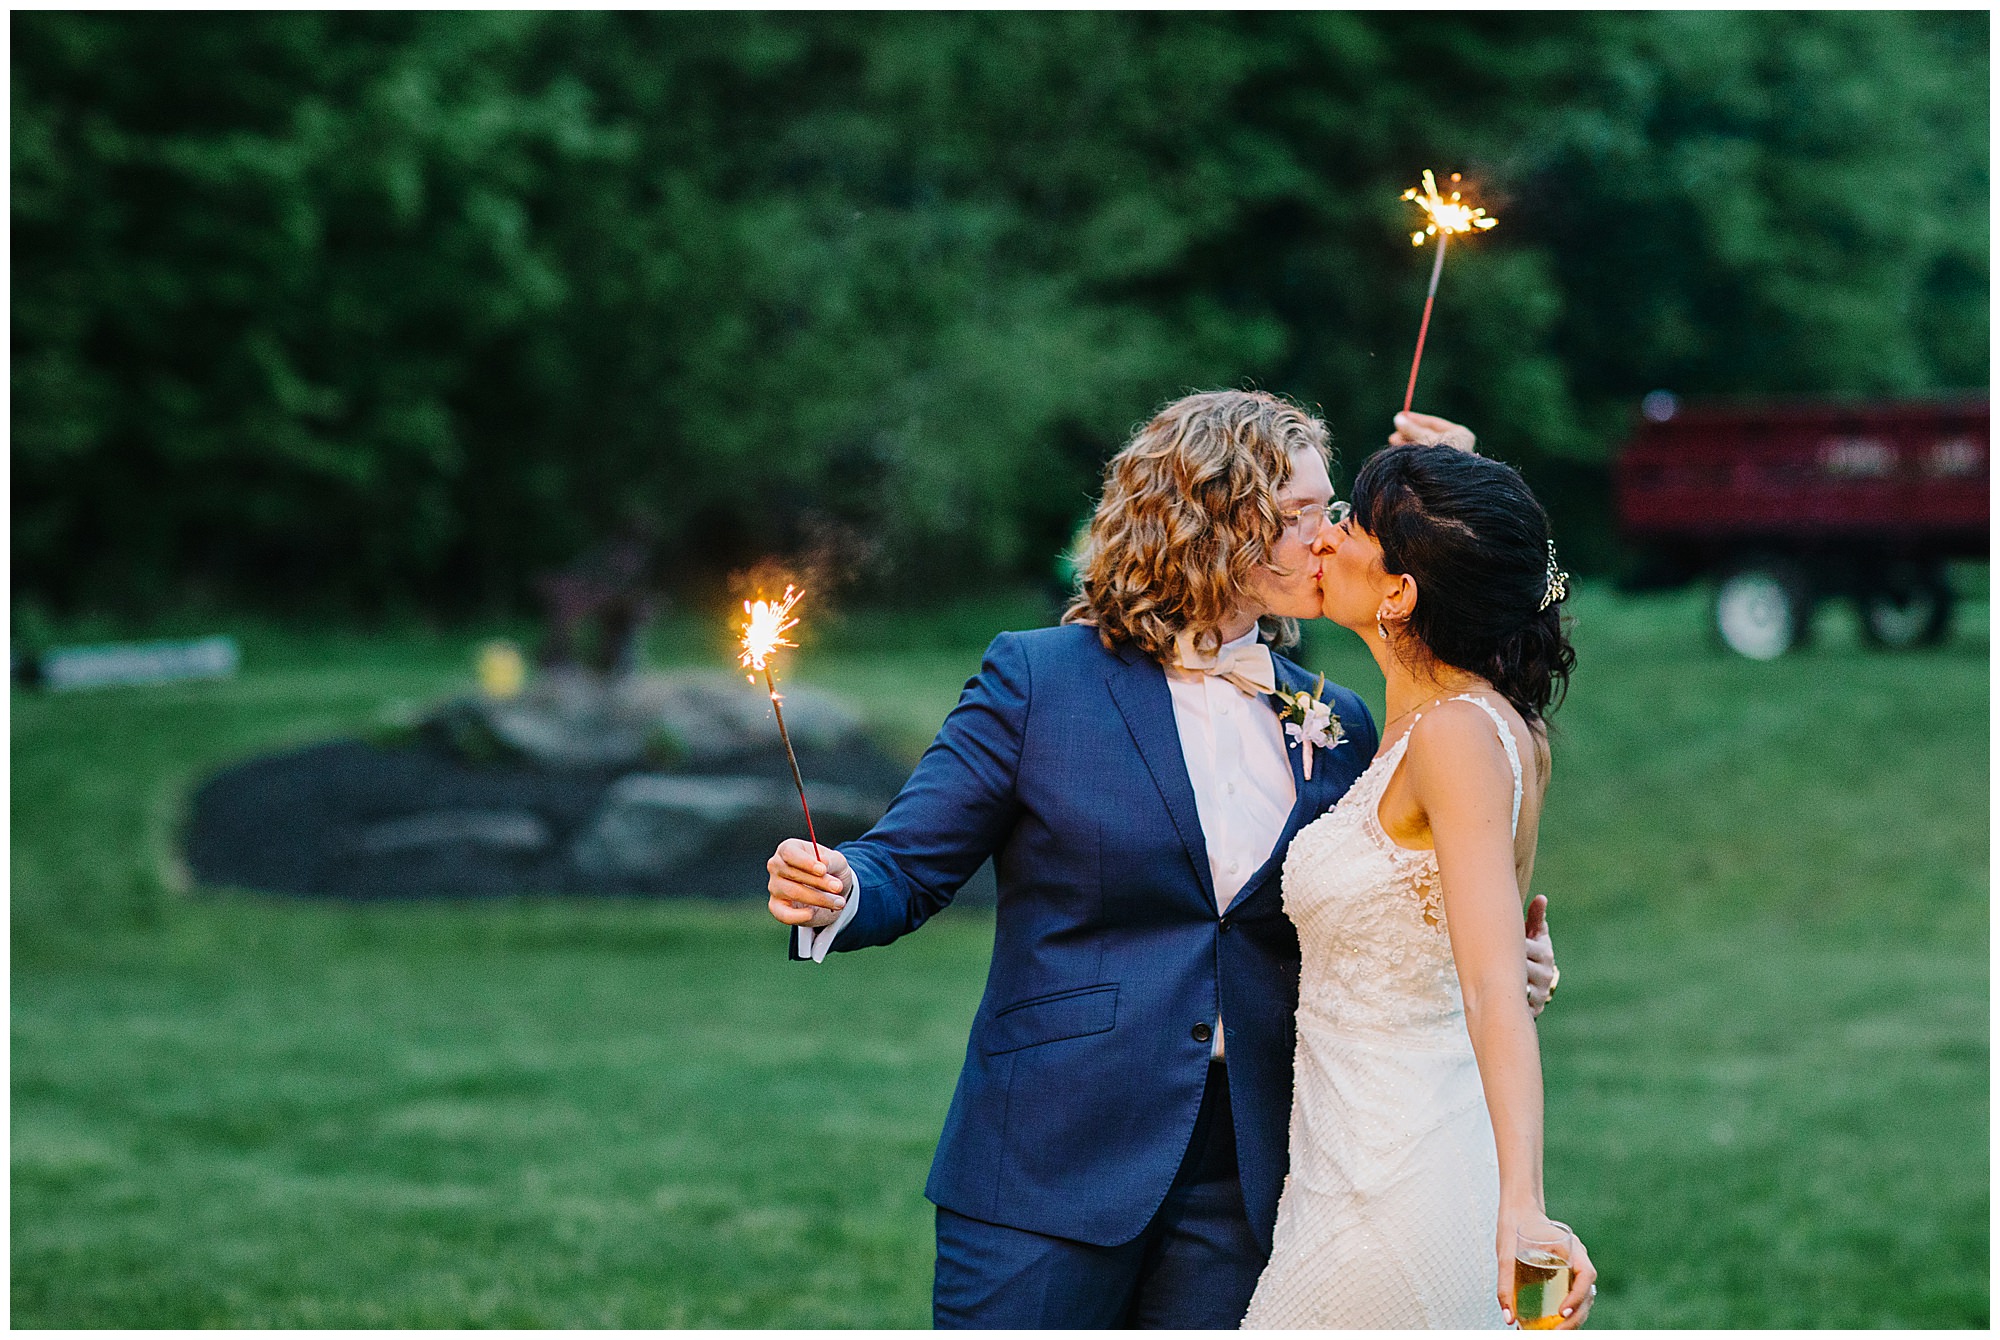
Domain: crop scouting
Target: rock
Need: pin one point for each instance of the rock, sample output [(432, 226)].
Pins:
[(573, 719), (566, 720), (139, 663), (649, 825), (720, 716), (503, 830), (666, 785), (354, 819)]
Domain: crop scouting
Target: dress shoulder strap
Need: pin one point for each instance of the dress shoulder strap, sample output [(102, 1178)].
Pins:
[(1507, 740)]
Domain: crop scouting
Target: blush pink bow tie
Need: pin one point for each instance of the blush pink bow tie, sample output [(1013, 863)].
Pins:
[(1248, 668)]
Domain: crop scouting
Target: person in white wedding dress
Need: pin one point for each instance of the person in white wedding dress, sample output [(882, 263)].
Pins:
[(1416, 1129)]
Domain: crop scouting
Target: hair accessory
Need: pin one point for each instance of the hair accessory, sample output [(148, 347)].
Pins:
[(1558, 587)]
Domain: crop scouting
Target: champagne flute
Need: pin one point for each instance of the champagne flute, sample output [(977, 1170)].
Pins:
[(1542, 1252)]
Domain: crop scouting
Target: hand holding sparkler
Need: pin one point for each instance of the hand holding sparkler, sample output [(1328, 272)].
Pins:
[(808, 884), (1428, 430)]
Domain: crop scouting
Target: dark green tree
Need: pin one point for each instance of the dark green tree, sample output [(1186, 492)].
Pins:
[(365, 308)]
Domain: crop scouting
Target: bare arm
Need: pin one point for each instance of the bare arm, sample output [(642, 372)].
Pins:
[(1465, 786)]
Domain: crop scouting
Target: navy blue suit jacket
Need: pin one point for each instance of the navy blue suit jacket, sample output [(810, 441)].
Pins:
[(1085, 1066)]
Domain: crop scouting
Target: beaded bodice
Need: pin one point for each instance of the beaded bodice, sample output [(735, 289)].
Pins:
[(1371, 916)]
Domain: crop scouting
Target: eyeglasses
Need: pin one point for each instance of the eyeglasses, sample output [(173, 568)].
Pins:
[(1305, 522)]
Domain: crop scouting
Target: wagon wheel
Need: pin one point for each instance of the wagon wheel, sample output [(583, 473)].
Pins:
[(1908, 605), (1764, 608)]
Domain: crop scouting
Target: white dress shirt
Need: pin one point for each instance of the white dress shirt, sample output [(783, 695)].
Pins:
[(1243, 789)]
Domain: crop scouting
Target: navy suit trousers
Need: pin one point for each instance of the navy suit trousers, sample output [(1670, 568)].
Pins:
[(1192, 1268)]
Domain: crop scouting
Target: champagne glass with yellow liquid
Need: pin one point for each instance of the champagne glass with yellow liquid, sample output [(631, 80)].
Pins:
[(1541, 1273)]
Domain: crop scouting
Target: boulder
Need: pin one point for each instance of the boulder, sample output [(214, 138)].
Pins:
[(649, 823), (664, 785), (501, 830), (573, 719)]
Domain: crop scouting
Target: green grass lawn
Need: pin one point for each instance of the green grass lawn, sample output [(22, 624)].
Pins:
[(1767, 1072)]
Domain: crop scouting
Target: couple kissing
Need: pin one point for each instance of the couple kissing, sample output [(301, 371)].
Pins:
[(1257, 1046)]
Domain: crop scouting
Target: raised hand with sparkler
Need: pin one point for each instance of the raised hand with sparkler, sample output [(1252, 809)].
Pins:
[(1411, 429)]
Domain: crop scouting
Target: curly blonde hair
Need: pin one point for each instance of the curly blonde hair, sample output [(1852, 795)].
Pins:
[(1189, 515)]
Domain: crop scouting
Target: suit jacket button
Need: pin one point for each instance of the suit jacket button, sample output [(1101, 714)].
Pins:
[(1201, 1033), (1224, 927)]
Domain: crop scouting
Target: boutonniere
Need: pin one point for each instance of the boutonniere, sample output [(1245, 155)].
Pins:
[(1310, 722)]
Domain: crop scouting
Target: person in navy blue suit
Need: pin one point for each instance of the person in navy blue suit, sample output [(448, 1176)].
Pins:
[(1116, 1146)]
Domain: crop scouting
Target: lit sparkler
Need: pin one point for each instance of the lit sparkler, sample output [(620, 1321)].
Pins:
[(1443, 216), (763, 634)]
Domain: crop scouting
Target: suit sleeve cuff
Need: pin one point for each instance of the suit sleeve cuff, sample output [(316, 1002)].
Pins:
[(814, 944)]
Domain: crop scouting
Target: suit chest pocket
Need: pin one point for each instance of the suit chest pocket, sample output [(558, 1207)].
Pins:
[(1065, 1014)]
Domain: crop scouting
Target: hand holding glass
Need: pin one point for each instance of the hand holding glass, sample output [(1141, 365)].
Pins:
[(1542, 1253)]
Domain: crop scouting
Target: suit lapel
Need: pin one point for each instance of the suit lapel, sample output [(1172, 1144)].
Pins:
[(1139, 687)]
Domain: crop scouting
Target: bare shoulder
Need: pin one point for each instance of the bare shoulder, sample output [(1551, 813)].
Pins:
[(1457, 734), (1454, 728)]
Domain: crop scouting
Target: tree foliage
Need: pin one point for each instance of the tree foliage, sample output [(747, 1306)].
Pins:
[(374, 307)]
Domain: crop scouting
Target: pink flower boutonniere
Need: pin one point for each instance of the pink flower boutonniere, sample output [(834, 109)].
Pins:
[(1311, 723)]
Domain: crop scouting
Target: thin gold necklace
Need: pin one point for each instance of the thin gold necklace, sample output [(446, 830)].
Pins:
[(1463, 688)]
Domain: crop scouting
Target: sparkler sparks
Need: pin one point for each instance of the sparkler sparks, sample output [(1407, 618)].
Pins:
[(1443, 216), (765, 631), (763, 634)]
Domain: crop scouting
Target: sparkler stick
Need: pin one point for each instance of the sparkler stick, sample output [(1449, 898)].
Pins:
[(1443, 217), (1423, 329), (762, 636)]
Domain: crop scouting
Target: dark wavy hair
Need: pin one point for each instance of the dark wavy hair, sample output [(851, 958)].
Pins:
[(1477, 542)]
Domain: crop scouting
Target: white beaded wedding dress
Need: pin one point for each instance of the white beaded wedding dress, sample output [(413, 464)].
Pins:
[(1387, 1217)]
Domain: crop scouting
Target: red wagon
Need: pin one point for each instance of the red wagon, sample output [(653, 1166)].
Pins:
[(1788, 504)]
